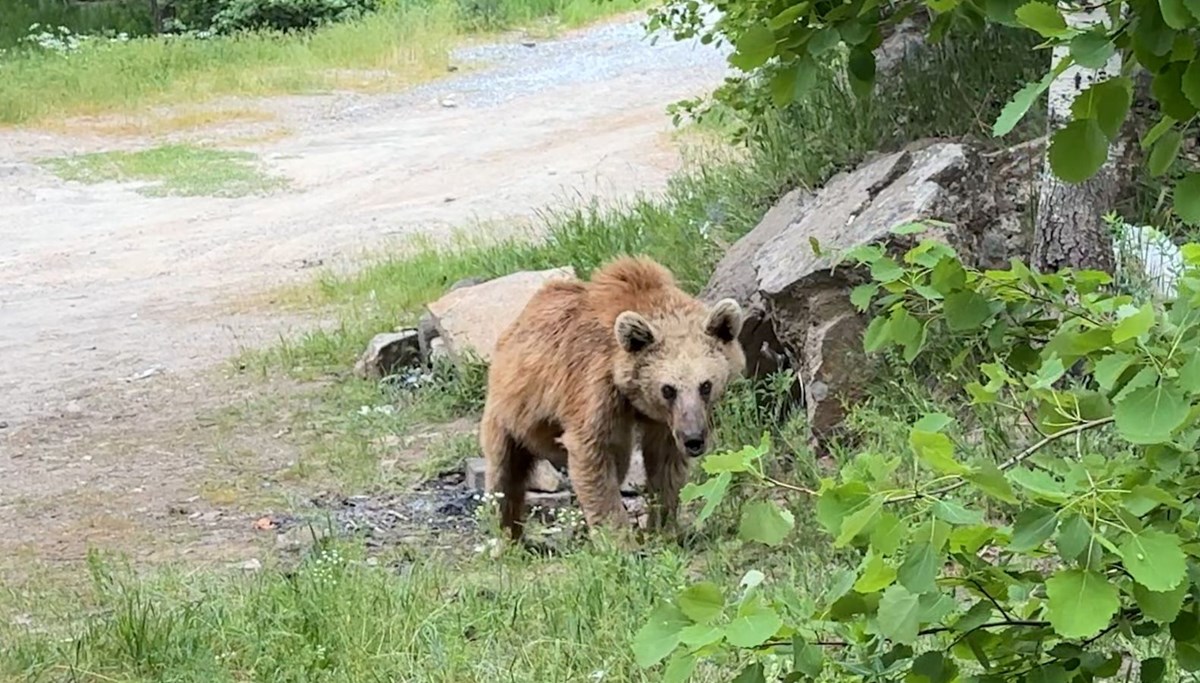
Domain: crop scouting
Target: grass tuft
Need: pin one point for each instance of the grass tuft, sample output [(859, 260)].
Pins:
[(181, 170)]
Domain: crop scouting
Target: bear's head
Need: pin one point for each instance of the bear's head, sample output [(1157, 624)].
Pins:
[(675, 366)]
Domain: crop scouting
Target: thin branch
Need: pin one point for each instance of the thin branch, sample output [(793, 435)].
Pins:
[(1011, 462), (975, 582), (790, 487)]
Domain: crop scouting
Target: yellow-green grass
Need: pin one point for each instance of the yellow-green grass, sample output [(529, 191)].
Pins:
[(172, 170), (395, 47)]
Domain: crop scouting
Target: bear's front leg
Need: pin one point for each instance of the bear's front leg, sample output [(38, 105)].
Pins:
[(666, 474), (594, 471)]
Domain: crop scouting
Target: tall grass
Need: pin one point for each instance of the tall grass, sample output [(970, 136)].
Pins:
[(404, 43)]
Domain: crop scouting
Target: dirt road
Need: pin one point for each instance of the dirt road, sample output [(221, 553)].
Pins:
[(101, 286)]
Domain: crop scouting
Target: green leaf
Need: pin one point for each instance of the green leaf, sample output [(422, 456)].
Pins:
[(861, 67), (1152, 669), (1165, 151), (937, 451), (680, 668), (1048, 373), (1078, 150), (1154, 559), (1187, 199), (1092, 49), (1107, 102), (1135, 325), (878, 334), (807, 658), (1080, 602), (991, 481), (876, 574), (1015, 110), (933, 422), (1039, 483), (713, 491), (1158, 130), (1189, 374), (884, 269), (1110, 368), (699, 635), (1043, 18), (919, 571), (753, 673), (1032, 528), (953, 513), (1144, 498), (701, 602), (1167, 88), (861, 295), (1175, 14), (765, 522), (1151, 414), (857, 522), (1161, 607), (753, 48), (654, 641), (966, 310), (1074, 535), (823, 41), (898, 615), (753, 629)]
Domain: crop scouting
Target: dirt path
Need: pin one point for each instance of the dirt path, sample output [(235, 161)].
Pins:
[(111, 302)]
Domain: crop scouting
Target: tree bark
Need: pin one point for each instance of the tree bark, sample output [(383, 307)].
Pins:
[(1069, 230)]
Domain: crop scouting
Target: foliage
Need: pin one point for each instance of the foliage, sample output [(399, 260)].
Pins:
[(286, 15), (785, 45), (1068, 560)]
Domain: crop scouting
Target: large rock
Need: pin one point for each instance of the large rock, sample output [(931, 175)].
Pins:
[(798, 304), (472, 318)]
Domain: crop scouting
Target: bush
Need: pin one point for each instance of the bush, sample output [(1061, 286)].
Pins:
[(286, 15), (1075, 558)]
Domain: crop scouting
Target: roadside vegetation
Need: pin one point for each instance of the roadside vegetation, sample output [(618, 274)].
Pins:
[(51, 71)]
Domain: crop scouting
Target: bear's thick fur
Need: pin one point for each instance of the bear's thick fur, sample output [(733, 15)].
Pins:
[(586, 364)]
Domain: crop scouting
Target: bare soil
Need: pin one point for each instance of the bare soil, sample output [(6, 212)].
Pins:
[(117, 310)]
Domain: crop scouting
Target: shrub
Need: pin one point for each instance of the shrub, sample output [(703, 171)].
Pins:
[(1074, 558)]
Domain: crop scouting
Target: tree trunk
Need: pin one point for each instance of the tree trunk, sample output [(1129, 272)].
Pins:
[(1069, 231)]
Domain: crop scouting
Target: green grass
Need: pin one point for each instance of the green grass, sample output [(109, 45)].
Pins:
[(172, 170), (404, 44)]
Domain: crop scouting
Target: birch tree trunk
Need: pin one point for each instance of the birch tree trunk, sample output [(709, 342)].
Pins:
[(1069, 230)]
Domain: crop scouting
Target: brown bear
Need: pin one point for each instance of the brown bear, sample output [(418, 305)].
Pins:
[(586, 364)]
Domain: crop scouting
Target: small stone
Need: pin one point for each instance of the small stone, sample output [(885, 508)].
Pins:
[(251, 565), (528, 43), (473, 474), (388, 352), (545, 478), (3, 424)]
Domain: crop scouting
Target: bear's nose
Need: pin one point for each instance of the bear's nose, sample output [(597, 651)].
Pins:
[(694, 443)]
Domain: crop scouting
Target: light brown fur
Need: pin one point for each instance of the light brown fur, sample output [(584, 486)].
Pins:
[(584, 366)]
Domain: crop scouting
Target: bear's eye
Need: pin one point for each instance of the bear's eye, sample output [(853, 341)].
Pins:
[(705, 388), (668, 392)]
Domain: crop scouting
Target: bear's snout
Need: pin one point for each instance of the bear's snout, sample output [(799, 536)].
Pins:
[(694, 443)]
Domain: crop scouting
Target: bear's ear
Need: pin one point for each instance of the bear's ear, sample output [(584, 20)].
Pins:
[(724, 320), (634, 333)]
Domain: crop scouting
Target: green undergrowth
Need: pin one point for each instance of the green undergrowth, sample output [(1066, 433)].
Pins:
[(182, 170), (336, 618)]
